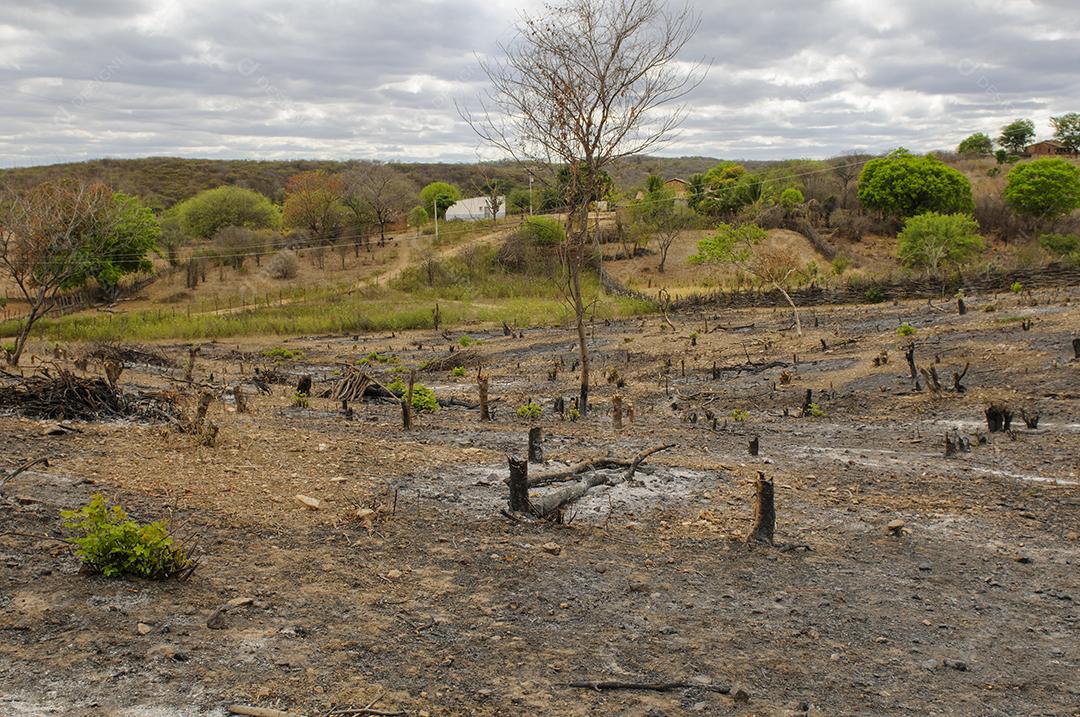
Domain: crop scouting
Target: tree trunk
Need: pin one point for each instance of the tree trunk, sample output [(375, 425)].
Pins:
[(519, 485), (764, 511), (755, 445), (616, 412), (406, 403), (1076, 349), (482, 386), (583, 347), (795, 309), (536, 445)]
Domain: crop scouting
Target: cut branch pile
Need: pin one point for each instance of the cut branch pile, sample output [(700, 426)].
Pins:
[(130, 355), (59, 394), (466, 358), (352, 385)]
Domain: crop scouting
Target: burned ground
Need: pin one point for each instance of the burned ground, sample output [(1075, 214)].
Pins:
[(437, 604)]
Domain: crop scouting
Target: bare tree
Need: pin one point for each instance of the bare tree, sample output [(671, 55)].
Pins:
[(380, 189), (48, 236), (579, 88)]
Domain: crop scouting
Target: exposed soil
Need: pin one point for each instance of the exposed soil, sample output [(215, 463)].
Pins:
[(440, 605)]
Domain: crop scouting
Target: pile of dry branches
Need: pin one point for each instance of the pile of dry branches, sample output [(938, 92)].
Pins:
[(56, 393), (130, 355)]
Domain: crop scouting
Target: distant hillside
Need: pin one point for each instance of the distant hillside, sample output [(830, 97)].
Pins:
[(163, 181)]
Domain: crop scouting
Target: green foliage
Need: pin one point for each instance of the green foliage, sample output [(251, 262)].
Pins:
[(1060, 244), (466, 341), (813, 410), (874, 295), (517, 201), (905, 329), (132, 234), (933, 241), (300, 399), (977, 145), (418, 216), (109, 543), (791, 198), (730, 244), (654, 183), (728, 188), (739, 415), (574, 414), (1017, 135), (423, 398), (375, 357), (1044, 188), (542, 231), (1016, 287), (206, 212), (840, 264), (903, 185), (8, 348), (697, 185), (1001, 156), (1067, 130), (282, 353), (457, 371), (530, 411), (442, 195)]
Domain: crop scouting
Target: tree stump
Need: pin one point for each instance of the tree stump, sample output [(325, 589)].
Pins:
[(200, 412), (1031, 420), (616, 412), (303, 386), (519, 485), (1076, 349), (808, 403), (536, 445), (998, 418), (755, 445), (560, 406), (909, 354), (406, 403), (630, 413), (961, 307), (764, 511), (482, 386), (189, 370), (241, 402)]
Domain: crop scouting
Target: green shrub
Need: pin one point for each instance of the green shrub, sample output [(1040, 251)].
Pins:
[(574, 414), (791, 198), (814, 411), (905, 329), (1016, 287), (458, 371), (542, 231), (423, 398), (376, 358), (466, 341), (1060, 244), (282, 353), (840, 264), (109, 543), (300, 400), (739, 415), (905, 185), (933, 241), (874, 295), (1044, 188), (530, 411)]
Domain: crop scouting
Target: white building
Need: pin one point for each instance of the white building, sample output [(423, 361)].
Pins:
[(474, 208)]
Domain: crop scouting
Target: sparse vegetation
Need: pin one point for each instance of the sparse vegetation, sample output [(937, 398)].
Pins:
[(905, 329), (530, 411), (423, 398), (283, 354)]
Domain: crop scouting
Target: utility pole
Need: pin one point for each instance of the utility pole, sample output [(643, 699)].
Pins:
[(435, 204), (530, 195)]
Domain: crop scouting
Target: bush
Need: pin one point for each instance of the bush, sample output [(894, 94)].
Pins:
[(932, 241), (458, 371), (466, 341), (1044, 188), (840, 264), (905, 329), (530, 411), (791, 198), (423, 398), (284, 265), (109, 543), (739, 415), (874, 295), (542, 231), (1016, 287), (904, 185), (280, 352), (1060, 244), (814, 411), (207, 212)]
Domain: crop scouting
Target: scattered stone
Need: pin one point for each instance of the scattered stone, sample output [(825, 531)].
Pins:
[(958, 665), (896, 527), (552, 548), (143, 628), (393, 574), (1072, 536), (166, 652), (240, 601), (740, 695), (307, 501), (639, 584), (1021, 558)]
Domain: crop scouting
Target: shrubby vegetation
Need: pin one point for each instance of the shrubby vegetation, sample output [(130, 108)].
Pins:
[(903, 185), (935, 241), (1044, 189), (208, 211)]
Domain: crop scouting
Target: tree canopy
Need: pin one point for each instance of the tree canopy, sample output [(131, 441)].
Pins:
[(1044, 188), (933, 241), (313, 204), (977, 145), (132, 233), (728, 188), (202, 215), (1067, 130), (1017, 135), (441, 195), (904, 184)]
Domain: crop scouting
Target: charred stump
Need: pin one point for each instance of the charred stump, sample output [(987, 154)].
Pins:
[(1031, 420), (998, 418), (482, 387), (536, 445), (961, 307), (764, 511), (755, 445), (519, 485), (1076, 349), (303, 386), (406, 403), (616, 412)]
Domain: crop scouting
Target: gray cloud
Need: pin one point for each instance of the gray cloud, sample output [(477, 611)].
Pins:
[(340, 79)]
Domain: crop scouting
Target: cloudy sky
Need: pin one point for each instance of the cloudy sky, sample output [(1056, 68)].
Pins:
[(378, 79)]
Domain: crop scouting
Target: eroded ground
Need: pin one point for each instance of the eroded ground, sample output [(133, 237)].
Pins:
[(442, 606)]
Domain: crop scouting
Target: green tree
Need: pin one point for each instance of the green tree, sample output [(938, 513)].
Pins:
[(933, 241), (744, 247), (441, 195), (133, 232), (728, 188), (1067, 130), (654, 183), (977, 145), (1017, 135), (903, 185), (313, 203), (228, 206), (418, 217), (791, 198), (517, 201), (695, 192), (1044, 188)]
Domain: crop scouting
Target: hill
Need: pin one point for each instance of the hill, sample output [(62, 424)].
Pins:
[(164, 181)]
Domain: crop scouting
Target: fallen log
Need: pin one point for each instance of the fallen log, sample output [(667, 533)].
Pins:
[(649, 686), (251, 711), (593, 464)]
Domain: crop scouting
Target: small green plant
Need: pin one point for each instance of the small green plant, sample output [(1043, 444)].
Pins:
[(458, 371), (376, 358), (423, 398), (814, 411), (574, 414), (300, 400), (840, 264), (9, 348), (1016, 287), (283, 354), (531, 411), (905, 329), (108, 542), (874, 295), (740, 415), (989, 308), (466, 341)]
